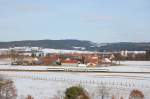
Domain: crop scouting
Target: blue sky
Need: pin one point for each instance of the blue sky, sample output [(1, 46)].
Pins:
[(94, 20)]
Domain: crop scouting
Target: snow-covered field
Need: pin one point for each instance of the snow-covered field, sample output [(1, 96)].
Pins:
[(132, 66), (45, 85), (136, 63)]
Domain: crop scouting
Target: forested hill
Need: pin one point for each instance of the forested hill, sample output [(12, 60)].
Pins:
[(78, 45), (130, 46)]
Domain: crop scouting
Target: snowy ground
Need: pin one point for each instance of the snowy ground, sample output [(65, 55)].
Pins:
[(45, 85), (41, 89), (132, 66), (136, 63)]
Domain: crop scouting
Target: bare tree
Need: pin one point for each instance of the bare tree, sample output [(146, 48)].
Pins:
[(60, 95), (136, 94), (7, 89), (102, 91), (121, 97), (113, 97), (29, 97), (13, 55)]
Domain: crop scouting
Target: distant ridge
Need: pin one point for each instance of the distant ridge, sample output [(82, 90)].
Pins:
[(78, 45)]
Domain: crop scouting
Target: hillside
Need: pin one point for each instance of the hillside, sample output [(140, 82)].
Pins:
[(56, 44), (130, 46), (78, 45)]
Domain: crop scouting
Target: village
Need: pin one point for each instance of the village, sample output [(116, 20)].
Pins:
[(36, 56)]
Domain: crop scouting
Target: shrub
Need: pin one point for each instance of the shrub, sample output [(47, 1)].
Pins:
[(76, 92)]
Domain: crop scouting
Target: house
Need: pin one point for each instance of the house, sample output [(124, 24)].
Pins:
[(69, 62), (51, 60), (92, 60)]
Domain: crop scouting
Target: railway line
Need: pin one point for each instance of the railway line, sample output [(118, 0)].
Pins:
[(70, 70)]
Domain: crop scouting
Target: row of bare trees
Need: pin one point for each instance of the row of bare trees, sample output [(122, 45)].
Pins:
[(101, 92)]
